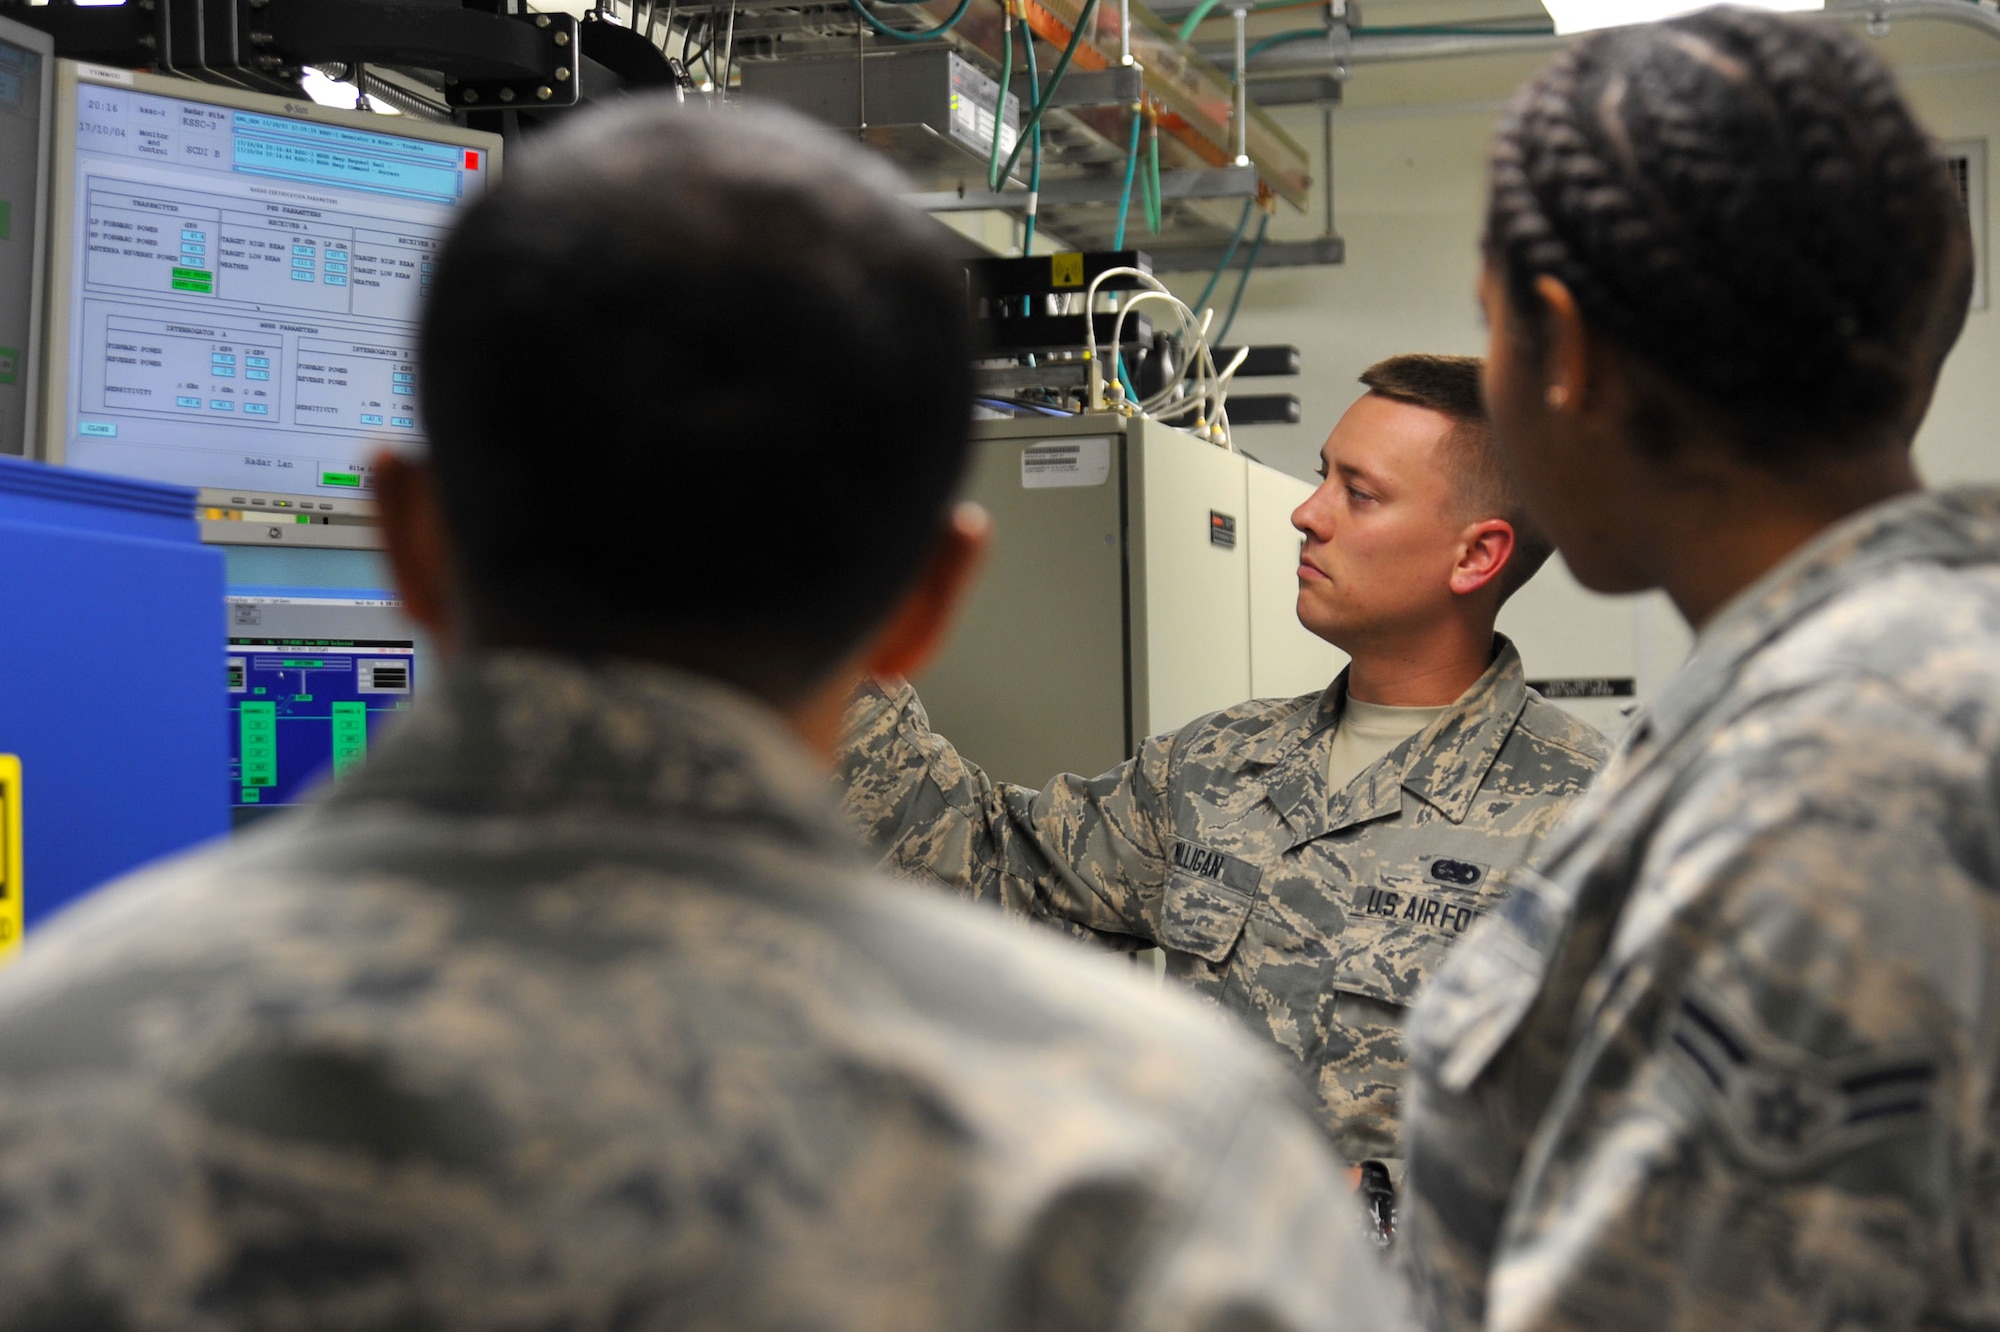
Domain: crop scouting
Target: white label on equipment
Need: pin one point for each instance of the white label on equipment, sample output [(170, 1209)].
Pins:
[(1066, 462), (104, 74), (973, 97)]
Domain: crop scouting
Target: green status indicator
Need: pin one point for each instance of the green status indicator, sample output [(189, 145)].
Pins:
[(194, 279), (349, 479), (350, 737), (258, 723)]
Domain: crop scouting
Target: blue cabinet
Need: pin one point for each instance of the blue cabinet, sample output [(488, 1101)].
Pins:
[(112, 690)]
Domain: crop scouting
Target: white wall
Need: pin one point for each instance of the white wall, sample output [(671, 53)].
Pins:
[(1409, 150)]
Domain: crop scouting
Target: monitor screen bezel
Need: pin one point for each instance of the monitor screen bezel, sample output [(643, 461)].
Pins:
[(44, 47), (60, 178)]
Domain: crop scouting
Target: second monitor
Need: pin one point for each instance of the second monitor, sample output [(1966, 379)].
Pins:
[(314, 673), (235, 282)]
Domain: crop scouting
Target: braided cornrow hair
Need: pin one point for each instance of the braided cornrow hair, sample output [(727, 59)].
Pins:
[(1747, 202)]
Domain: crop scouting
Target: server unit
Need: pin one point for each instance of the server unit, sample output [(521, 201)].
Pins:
[(929, 109), (1139, 579)]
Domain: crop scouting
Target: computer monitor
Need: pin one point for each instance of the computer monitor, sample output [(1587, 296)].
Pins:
[(314, 673), (25, 57), (235, 282)]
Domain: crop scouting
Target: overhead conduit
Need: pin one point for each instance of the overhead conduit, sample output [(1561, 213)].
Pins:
[(1362, 48)]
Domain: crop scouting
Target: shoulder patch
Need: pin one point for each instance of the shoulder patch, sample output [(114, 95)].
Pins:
[(1784, 1110)]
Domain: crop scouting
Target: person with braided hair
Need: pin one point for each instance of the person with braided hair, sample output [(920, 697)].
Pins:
[(1728, 1055)]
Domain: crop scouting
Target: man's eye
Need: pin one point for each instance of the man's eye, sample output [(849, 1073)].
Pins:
[(1359, 494)]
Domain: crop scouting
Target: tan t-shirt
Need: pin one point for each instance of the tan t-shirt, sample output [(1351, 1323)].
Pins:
[(1367, 732)]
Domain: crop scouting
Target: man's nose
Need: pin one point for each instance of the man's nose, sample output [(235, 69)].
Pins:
[(1310, 516)]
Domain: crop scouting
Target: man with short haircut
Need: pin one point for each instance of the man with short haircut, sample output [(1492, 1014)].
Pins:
[(578, 1007), (1305, 862)]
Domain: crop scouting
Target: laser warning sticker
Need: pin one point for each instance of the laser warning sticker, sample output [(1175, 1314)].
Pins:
[(10, 854), (1066, 462)]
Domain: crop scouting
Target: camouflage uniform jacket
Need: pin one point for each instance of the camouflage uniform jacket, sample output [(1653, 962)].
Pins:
[(578, 1008), (1313, 914), (1727, 1059)]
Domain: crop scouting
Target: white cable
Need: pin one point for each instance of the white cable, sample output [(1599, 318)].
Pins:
[(1156, 405), (1138, 299), (1223, 381), (1159, 404), (1090, 307), (1200, 365)]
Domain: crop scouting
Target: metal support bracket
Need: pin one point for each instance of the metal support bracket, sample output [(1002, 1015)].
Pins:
[(1120, 85), (555, 84), (1210, 183), (496, 58), (1011, 378), (1314, 253)]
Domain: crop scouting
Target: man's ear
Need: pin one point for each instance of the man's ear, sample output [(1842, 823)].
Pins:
[(916, 628), (1483, 551), (419, 551)]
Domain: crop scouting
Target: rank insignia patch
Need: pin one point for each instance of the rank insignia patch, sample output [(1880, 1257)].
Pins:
[(1782, 1108)]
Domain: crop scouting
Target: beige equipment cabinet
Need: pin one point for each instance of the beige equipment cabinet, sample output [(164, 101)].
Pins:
[(1139, 578)]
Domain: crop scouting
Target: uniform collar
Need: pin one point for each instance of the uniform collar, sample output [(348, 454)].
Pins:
[(538, 733), (1950, 527), (1444, 764)]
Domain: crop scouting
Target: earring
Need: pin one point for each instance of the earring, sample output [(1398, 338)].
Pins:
[(1556, 396)]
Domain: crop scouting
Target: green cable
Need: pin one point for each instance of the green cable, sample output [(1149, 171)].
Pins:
[(1532, 27), (1000, 102), (1034, 155), (1242, 224), (1243, 282), (1154, 209), (1306, 34), (1295, 35), (928, 35), (1543, 29), (1131, 173), (1207, 7), (1194, 18), (1118, 240), (1043, 99)]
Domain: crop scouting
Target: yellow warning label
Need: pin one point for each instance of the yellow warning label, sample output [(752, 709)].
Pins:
[(1066, 270), (10, 854)]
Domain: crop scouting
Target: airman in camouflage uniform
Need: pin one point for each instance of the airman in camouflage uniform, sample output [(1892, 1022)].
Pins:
[(578, 1007), (1728, 1056), (1315, 915)]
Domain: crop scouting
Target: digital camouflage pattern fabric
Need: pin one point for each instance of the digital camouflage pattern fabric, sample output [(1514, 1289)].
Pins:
[(578, 1008), (1728, 1057), (1315, 915)]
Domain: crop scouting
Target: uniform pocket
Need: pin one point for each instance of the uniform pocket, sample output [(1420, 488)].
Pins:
[(1398, 932), (1485, 990), (1202, 917)]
